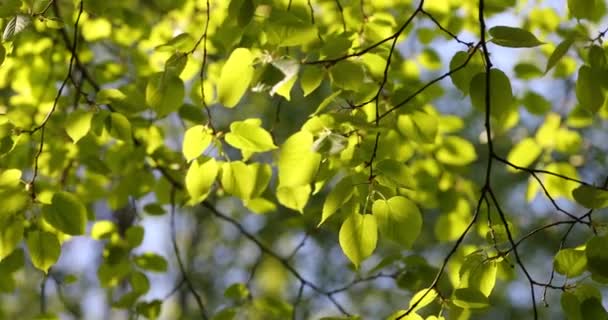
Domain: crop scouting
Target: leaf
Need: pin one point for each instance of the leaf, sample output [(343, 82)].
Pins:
[(44, 249), (570, 262), (250, 137), (103, 229), (151, 262), (164, 93), (289, 68), (524, 153), (582, 9), (196, 140), (456, 151), (561, 49), (428, 298), (478, 274), (200, 178), (588, 90), (14, 26), (235, 77), (337, 196), (513, 37), (311, 78), (462, 78), (238, 179), (597, 255), (419, 126), (119, 126), (591, 197), (11, 234), (297, 163), (358, 237), (347, 75), (78, 124), (151, 310), (285, 29), (468, 298), (246, 12), (399, 219), (66, 213), (593, 309), (501, 94), (294, 197)]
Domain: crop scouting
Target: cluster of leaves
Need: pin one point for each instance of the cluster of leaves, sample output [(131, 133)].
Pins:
[(114, 112)]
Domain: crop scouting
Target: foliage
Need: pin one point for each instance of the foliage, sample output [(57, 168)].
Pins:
[(319, 159)]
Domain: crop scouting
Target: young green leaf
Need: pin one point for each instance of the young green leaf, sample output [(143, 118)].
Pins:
[(298, 164), (151, 262), (247, 136), (66, 213), (588, 89), (462, 78), (513, 37), (11, 234), (476, 273), (428, 298), (164, 93), (597, 256), (561, 49), (196, 140), (456, 151), (338, 195), (311, 78), (238, 179), (347, 75), (399, 219), (591, 197), (570, 262), (235, 77), (44, 249), (119, 126), (468, 298), (358, 237), (78, 124), (200, 178), (501, 94), (524, 153), (294, 197)]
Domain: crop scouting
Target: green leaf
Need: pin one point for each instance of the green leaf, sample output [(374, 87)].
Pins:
[(597, 255), (428, 298), (235, 77), (237, 292), (513, 37), (78, 124), (524, 153), (164, 93), (238, 179), (561, 49), (196, 140), (294, 197), (337, 196), (200, 178), (44, 249), (358, 237), (66, 213), (536, 103), (246, 11), (593, 309), (597, 57), (591, 197), (285, 29), (298, 164), (478, 274), (151, 310), (119, 126), (311, 78), (151, 262), (289, 68), (103, 229), (249, 136), (570, 262), (347, 75), (456, 151), (582, 9), (399, 219), (10, 178), (419, 126), (462, 78), (2, 54), (176, 63), (588, 89), (11, 234), (468, 298), (501, 94)]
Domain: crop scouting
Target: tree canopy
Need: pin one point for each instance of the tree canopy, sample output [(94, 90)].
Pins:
[(303, 159)]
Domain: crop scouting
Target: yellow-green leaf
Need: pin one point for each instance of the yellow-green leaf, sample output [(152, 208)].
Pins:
[(66, 213), (165, 93), (570, 262), (358, 237), (561, 49), (524, 153), (11, 234), (339, 194), (78, 124), (298, 164), (294, 197), (591, 197), (247, 136), (399, 219), (513, 37), (235, 77), (44, 249), (501, 94), (200, 178), (196, 140)]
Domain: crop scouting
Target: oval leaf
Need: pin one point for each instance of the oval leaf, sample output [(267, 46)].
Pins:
[(66, 213), (358, 237), (513, 37), (399, 219), (44, 249), (235, 77)]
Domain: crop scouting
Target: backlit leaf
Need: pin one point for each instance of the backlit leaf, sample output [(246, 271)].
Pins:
[(399, 219), (196, 140), (294, 197), (570, 262), (235, 77), (501, 94), (298, 164), (44, 249), (165, 93), (78, 124), (358, 237), (200, 178), (66, 213), (513, 37), (248, 136), (561, 49), (591, 197)]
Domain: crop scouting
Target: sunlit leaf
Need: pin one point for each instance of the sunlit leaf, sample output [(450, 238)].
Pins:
[(196, 140), (358, 237), (399, 219), (44, 249), (66, 213), (570, 262), (513, 37), (235, 77)]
